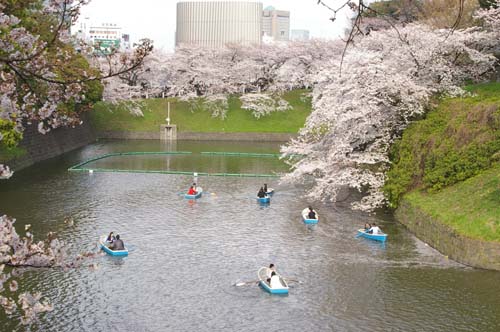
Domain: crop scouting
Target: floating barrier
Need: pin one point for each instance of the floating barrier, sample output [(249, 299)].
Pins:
[(107, 155), (241, 154), (250, 154), (81, 166), (110, 170)]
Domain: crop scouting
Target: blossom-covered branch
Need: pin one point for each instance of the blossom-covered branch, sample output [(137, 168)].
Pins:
[(42, 77)]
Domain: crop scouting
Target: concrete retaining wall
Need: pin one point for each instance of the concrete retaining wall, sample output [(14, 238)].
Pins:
[(255, 137), (469, 251), (56, 142)]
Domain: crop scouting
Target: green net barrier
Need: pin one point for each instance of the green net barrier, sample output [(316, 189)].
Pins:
[(249, 154), (110, 170), (107, 155), (241, 154), (81, 166)]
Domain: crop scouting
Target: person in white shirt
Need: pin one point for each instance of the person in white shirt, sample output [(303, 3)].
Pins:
[(275, 281), (375, 229)]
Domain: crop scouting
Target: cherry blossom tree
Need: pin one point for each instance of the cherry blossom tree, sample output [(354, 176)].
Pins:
[(387, 80), (42, 77), (23, 251)]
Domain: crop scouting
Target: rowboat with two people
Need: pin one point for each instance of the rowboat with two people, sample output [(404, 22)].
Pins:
[(372, 232), (262, 197), (109, 242)]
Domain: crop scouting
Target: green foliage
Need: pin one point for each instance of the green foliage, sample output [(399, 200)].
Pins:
[(10, 137), (470, 207), (456, 141), (9, 153), (188, 119), (487, 3), (91, 89)]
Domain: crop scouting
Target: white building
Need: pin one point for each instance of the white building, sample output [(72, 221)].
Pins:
[(276, 24), (217, 23), (105, 36), (299, 35)]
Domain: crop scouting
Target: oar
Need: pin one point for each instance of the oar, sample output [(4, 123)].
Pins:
[(244, 283), (293, 280), (358, 235)]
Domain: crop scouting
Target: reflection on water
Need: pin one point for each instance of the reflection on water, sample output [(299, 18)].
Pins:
[(185, 256)]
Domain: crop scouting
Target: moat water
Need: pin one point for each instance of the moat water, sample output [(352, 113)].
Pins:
[(186, 256)]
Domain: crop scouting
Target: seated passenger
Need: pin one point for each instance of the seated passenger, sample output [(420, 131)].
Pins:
[(110, 238), (265, 187), (367, 227), (275, 281), (375, 229), (270, 269), (117, 244), (311, 214), (261, 193), (191, 191)]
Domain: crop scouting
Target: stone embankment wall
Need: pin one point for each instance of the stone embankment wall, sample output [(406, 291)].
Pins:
[(56, 142), (463, 249), (255, 137)]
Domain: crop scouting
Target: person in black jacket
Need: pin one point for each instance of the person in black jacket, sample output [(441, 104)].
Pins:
[(117, 244), (261, 193), (311, 214)]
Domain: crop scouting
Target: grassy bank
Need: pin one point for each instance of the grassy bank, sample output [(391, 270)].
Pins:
[(448, 164), (110, 118), (9, 153), (457, 140), (471, 207)]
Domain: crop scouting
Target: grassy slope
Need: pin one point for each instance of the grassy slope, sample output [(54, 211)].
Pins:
[(448, 164), (471, 207), (237, 120), (7, 154)]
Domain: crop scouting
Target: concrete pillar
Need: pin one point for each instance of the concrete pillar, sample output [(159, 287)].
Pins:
[(168, 132)]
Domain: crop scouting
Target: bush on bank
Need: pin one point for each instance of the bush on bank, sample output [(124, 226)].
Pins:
[(456, 141)]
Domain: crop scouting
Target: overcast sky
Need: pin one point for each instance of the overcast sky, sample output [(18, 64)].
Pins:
[(155, 19)]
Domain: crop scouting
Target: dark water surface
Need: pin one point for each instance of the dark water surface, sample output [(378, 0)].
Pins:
[(185, 257)]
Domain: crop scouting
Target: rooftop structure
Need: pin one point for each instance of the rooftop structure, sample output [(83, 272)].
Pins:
[(217, 23)]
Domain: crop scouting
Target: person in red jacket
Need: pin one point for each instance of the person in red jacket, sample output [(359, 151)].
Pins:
[(191, 191)]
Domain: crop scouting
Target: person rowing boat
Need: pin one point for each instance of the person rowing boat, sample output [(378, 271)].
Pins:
[(117, 244), (374, 229), (192, 190)]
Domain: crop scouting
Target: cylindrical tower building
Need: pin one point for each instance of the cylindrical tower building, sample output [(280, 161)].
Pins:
[(216, 23)]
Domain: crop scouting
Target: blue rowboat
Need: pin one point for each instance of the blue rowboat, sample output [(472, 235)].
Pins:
[(262, 273), (199, 191), (104, 246), (264, 200), (307, 220), (377, 237), (270, 191)]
